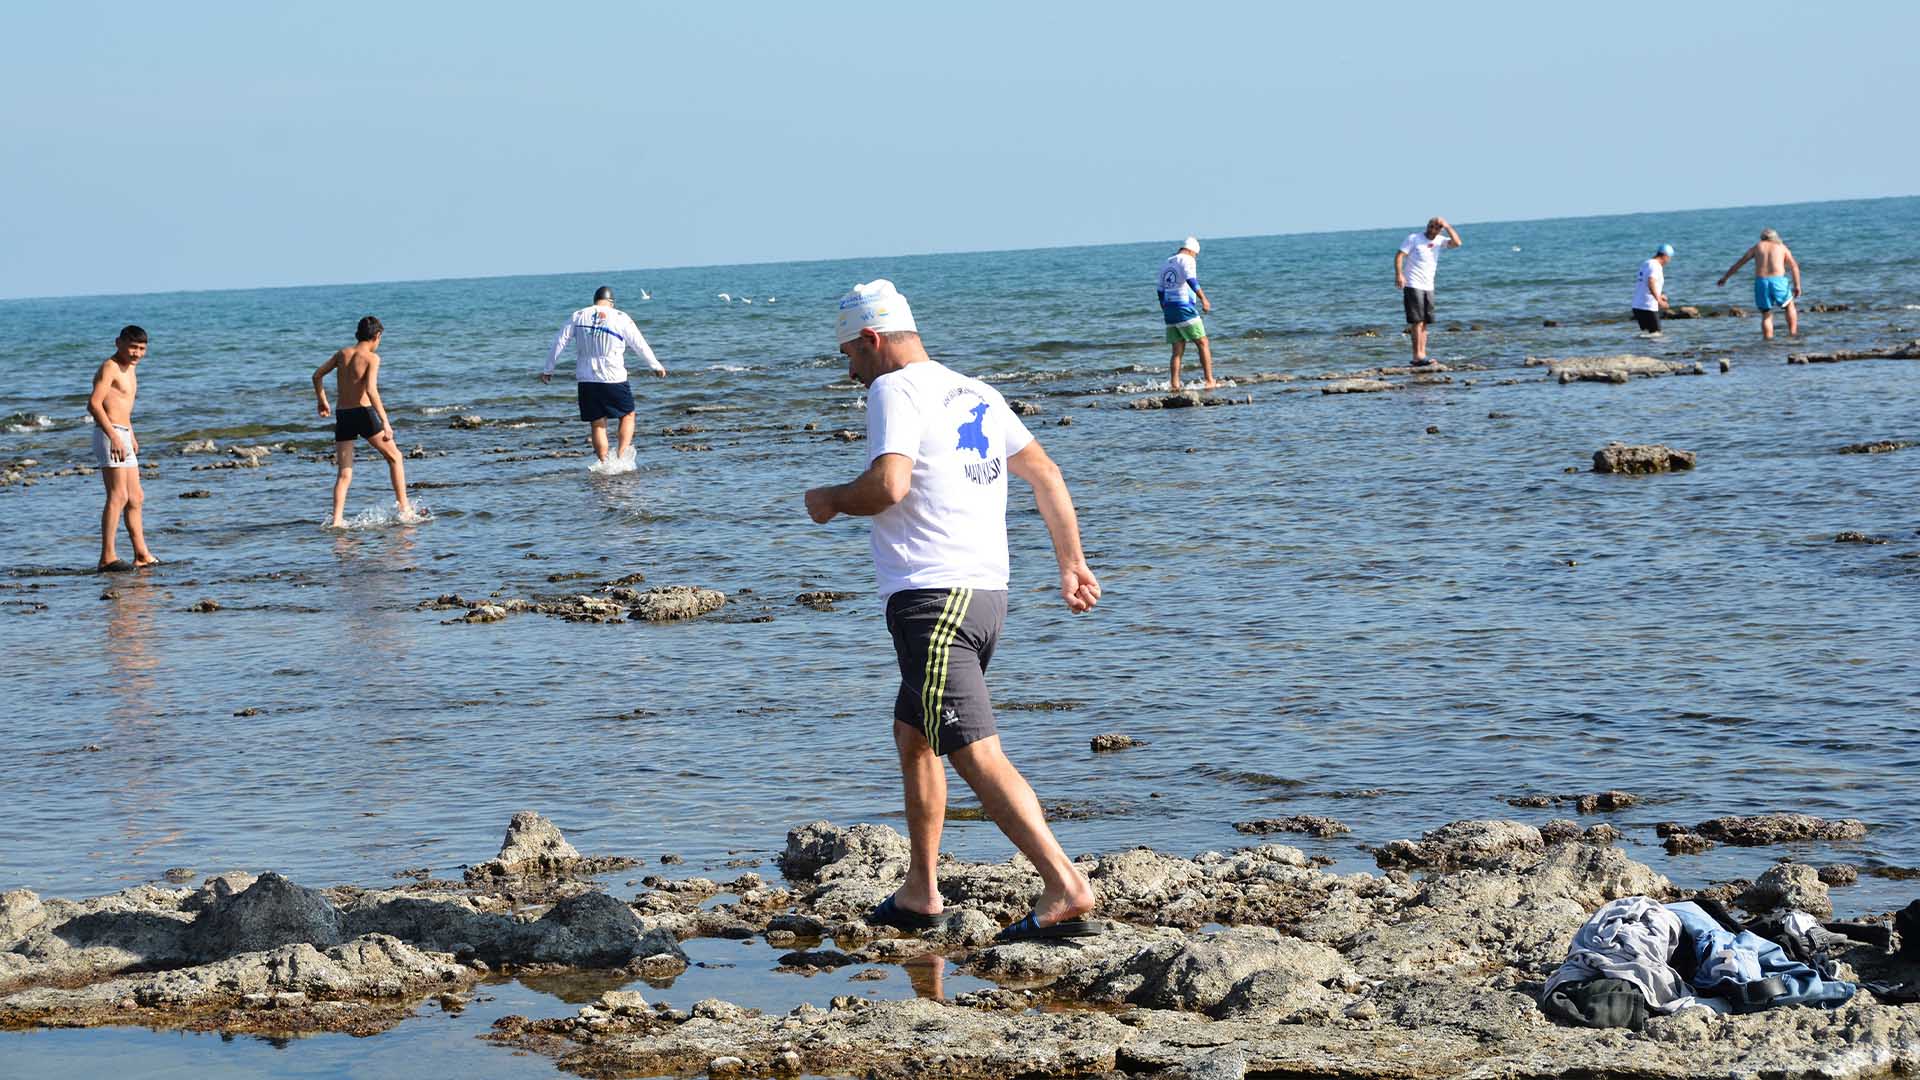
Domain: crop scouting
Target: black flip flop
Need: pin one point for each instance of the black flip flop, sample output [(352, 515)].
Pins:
[(891, 914), (1029, 929)]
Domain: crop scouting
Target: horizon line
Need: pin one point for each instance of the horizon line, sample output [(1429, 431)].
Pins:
[(906, 255)]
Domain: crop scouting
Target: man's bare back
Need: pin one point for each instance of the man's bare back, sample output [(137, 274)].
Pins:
[(1770, 258), (356, 367)]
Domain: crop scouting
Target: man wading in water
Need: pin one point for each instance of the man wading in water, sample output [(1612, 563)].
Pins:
[(939, 448), (1771, 289)]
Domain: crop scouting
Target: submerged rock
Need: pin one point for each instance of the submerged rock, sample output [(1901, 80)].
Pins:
[(1640, 460), (1298, 823), (1186, 399), (1110, 741), (674, 602), (1884, 446), (1909, 351), (1762, 829), (1613, 369), (1356, 386)]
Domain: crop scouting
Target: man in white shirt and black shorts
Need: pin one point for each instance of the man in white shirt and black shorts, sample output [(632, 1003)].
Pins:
[(601, 336), (939, 448), (1650, 292), (1413, 267)]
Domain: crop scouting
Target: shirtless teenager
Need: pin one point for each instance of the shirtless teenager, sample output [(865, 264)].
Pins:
[(361, 416), (1772, 262), (115, 450)]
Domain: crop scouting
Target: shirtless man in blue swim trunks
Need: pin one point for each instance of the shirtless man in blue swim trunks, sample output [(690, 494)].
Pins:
[(1772, 291), (361, 416)]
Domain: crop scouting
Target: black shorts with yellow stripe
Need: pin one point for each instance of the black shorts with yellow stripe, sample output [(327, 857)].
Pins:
[(944, 639)]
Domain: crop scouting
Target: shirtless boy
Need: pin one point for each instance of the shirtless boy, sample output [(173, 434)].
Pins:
[(115, 450), (1771, 264), (361, 416)]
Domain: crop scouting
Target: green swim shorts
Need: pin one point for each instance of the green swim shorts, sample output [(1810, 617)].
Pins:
[(1194, 330)]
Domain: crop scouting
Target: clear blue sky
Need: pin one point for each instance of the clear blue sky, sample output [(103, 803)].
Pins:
[(154, 146)]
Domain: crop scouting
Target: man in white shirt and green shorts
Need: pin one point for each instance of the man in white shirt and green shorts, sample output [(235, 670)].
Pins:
[(939, 448), (1178, 289)]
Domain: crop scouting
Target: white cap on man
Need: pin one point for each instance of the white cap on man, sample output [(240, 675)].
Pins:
[(1191, 243), (875, 305)]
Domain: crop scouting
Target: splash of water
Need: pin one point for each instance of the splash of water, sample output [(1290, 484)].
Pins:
[(615, 465), (386, 516), (25, 421)]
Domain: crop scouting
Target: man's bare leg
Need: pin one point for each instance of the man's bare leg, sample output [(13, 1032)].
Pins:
[(1179, 350), (1419, 341), (1766, 326), (116, 504), (626, 437), (136, 498), (1010, 802), (924, 776), (1793, 319), (600, 439), (1206, 362), (383, 443), (342, 480)]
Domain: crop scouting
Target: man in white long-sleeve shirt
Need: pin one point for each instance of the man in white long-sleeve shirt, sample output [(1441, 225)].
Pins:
[(601, 336)]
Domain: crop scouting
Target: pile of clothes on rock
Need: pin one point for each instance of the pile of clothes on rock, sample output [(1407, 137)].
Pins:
[(1637, 956)]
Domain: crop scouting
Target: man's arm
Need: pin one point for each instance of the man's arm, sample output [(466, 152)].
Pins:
[(559, 343), (1742, 261), (1399, 271), (97, 408), (1452, 233), (639, 343), (373, 393), (1206, 305), (887, 480), (319, 389), (1793, 266), (1077, 583)]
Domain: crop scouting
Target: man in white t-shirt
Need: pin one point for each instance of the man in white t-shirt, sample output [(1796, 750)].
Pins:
[(1178, 290), (601, 336), (1650, 292), (939, 448), (1413, 267)]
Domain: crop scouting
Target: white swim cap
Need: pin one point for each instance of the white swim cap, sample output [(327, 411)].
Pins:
[(1191, 244), (876, 305)]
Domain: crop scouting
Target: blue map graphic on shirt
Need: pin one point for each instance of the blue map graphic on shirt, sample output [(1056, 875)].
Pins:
[(973, 435)]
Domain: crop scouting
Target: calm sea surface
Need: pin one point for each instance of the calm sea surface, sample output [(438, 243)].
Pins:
[(1313, 604)]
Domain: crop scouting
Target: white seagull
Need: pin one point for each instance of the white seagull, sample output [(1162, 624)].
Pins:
[(645, 295), (770, 299), (727, 298), (746, 299)]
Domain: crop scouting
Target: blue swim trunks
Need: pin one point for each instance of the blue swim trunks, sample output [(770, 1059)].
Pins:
[(1772, 293)]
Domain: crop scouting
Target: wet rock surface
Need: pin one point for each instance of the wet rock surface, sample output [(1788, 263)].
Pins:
[(1762, 829), (1187, 399), (1884, 446), (1908, 351), (1252, 963), (1310, 824), (1108, 742), (1612, 369), (1640, 460)]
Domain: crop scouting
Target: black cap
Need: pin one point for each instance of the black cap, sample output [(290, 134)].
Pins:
[(604, 292)]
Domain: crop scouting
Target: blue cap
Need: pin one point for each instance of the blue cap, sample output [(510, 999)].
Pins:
[(1665, 249)]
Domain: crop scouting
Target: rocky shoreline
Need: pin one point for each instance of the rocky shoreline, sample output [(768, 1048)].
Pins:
[(1255, 962)]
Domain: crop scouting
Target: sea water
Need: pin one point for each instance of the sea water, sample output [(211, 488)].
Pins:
[(1312, 604)]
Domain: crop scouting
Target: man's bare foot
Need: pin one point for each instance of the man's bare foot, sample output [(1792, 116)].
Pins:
[(1078, 901), (336, 523), (109, 564), (1176, 387), (146, 559), (1213, 384)]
